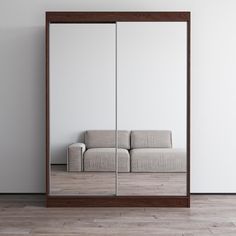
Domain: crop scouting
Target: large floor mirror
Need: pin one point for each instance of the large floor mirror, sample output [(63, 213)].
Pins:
[(118, 108)]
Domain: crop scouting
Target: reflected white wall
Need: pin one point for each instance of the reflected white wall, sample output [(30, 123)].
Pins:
[(82, 83), (151, 79)]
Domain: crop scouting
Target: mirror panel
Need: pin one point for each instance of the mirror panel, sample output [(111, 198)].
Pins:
[(152, 105), (82, 98), (148, 62)]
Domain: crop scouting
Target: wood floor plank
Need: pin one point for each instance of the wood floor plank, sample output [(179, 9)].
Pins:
[(209, 215), (103, 183)]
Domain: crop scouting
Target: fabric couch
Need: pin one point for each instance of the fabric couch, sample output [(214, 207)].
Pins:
[(152, 151), (99, 151), (138, 151)]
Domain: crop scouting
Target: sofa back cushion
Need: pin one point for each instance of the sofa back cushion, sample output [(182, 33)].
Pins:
[(106, 139), (151, 139)]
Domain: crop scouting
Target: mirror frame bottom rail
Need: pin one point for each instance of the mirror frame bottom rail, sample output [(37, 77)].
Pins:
[(118, 201)]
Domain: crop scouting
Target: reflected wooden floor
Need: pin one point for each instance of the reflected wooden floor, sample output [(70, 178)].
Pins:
[(208, 216), (103, 183)]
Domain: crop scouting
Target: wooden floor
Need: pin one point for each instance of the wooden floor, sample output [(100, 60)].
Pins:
[(103, 183), (27, 215)]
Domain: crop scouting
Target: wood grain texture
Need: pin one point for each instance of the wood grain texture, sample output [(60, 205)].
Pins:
[(112, 17), (103, 183), (208, 216), (117, 201)]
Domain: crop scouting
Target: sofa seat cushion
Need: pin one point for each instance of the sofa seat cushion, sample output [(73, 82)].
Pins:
[(158, 160), (106, 139), (103, 159), (151, 139)]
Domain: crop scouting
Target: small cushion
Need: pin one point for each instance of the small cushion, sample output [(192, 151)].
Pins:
[(151, 139), (103, 159), (106, 139)]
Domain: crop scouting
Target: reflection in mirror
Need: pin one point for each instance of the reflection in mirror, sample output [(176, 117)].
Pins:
[(148, 62), (152, 70), (82, 101)]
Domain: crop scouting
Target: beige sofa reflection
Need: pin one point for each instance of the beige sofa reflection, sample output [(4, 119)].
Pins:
[(137, 151)]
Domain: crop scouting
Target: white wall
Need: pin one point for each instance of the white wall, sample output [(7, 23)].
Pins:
[(151, 80), (22, 165), (151, 65), (82, 83)]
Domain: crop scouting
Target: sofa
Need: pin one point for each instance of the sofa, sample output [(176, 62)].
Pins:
[(137, 151), (98, 152)]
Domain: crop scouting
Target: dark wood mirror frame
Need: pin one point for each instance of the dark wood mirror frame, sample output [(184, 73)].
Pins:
[(116, 201)]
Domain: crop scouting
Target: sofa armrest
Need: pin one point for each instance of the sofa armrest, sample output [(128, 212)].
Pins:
[(75, 154)]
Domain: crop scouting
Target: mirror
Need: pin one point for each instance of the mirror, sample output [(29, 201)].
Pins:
[(82, 98), (118, 109), (152, 89)]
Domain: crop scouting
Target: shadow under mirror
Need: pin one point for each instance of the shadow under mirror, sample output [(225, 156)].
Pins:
[(152, 107)]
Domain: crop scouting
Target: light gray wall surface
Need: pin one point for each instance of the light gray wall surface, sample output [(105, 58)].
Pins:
[(151, 77), (22, 123), (82, 83)]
